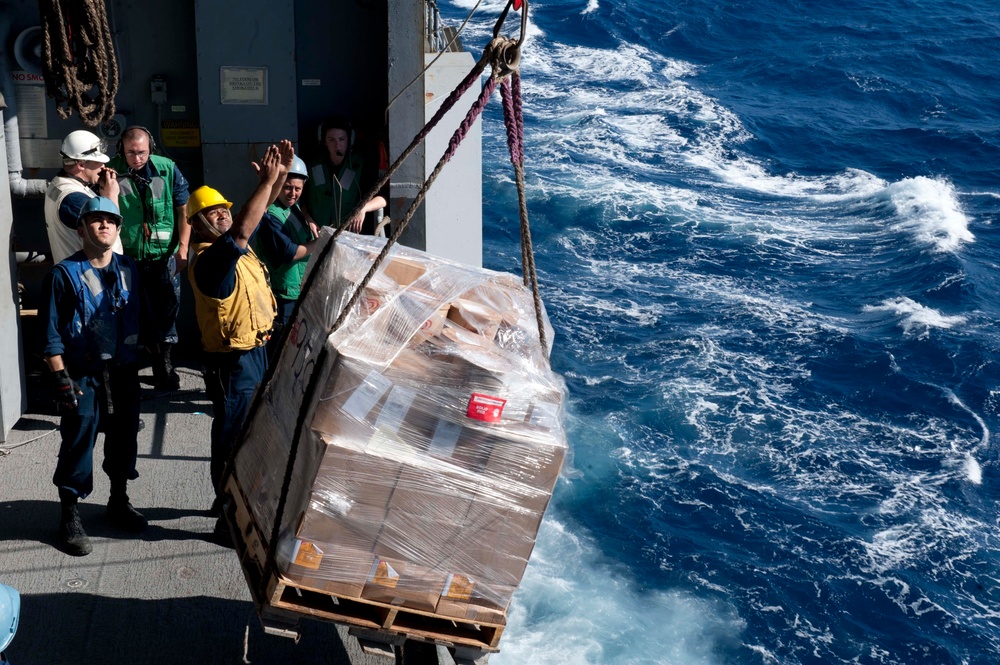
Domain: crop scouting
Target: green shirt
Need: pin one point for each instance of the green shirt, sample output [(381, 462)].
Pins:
[(332, 199), (148, 217)]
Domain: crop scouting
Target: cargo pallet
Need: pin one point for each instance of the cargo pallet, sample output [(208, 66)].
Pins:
[(380, 628)]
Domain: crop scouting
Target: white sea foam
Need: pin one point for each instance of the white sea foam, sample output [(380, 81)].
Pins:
[(592, 6), (574, 608), (930, 210), (914, 316)]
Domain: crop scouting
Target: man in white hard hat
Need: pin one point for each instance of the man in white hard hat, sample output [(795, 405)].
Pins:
[(83, 176), (285, 239)]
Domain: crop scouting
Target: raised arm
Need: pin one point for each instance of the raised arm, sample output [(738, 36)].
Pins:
[(270, 176)]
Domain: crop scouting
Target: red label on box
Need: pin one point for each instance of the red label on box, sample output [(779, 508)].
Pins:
[(485, 408)]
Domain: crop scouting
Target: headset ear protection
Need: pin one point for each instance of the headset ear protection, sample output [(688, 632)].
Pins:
[(121, 140), (336, 122)]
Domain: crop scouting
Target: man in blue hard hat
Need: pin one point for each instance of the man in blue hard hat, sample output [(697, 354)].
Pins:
[(91, 324)]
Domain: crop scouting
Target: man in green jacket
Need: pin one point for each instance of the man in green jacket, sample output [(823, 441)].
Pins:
[(284, 240), (153, 194)]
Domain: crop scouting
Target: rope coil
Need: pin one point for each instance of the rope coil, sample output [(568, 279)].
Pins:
[(78, 59)]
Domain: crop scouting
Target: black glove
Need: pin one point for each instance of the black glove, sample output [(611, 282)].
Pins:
[(64, 390)]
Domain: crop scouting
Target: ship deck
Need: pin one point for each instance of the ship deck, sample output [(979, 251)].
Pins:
[(171, 594)]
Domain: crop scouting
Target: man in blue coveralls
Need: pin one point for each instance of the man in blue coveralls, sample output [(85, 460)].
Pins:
[(92, 334), (233, 303)]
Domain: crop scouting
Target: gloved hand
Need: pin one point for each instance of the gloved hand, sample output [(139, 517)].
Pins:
[(64, 390)]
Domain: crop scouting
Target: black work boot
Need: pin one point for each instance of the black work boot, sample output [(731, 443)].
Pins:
[(164, 375), (72, 537), (172, 380), (121, 513)]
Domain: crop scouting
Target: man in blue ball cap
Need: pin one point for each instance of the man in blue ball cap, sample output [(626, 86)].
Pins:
[(91, 348)]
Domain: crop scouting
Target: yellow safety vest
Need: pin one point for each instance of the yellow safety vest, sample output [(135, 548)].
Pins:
[(241, 320)]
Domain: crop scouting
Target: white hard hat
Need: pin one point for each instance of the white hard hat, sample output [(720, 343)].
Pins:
[(83, 145), (298, 169)]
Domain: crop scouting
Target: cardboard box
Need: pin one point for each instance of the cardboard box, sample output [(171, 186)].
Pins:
[(433, 326), (350, 498), (404, 271), (424, 523), (486, 604), (464, 447), (403, 583), (529, 469), (330, 568), (505, 538), (351, 393), (475, 317)]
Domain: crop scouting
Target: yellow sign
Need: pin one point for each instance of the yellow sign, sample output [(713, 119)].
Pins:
[(180, 134)]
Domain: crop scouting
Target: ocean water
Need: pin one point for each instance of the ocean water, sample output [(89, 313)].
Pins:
[(766, 239)]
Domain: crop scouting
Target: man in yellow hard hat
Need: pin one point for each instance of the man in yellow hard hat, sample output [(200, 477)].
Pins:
[(233, 302)]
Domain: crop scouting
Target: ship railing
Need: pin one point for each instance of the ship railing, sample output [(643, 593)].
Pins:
[(438, 36)]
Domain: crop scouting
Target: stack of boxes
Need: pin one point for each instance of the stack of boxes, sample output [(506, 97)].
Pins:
[(433, 443)]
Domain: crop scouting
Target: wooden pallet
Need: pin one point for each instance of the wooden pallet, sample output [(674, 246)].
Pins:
[(283, 601)]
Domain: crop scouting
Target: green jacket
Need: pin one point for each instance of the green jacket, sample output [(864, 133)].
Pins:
[(286, 278), (148, 220), (331, 200)]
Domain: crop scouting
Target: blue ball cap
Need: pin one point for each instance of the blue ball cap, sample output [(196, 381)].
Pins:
[(100, 204)]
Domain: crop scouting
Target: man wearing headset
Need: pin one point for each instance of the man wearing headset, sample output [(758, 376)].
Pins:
[(337, 181), (233, 303), (83, 176), (91, 328), (152, 197)]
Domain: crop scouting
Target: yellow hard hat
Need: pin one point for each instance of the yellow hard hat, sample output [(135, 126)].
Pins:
[(205, 197)]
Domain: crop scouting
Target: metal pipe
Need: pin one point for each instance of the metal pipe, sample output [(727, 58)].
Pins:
[(18, 185)]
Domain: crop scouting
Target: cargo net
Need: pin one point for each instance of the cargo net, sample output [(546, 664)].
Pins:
[(407, 441), (410, 454)]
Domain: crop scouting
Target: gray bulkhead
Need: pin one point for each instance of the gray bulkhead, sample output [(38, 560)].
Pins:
[(215, 83)]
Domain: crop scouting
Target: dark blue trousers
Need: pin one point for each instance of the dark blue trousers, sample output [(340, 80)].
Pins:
[(282, 319), (79, 429), (230, 380), (159, 302)]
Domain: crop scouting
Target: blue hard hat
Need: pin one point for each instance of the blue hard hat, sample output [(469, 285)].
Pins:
[(100, 204), (10, 608), (298, 169)]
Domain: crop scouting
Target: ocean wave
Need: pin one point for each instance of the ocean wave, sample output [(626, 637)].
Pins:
[(914, 317), (621, 623), (930, 209)]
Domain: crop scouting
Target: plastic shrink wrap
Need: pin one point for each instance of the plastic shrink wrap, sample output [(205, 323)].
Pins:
[(428, 445)]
